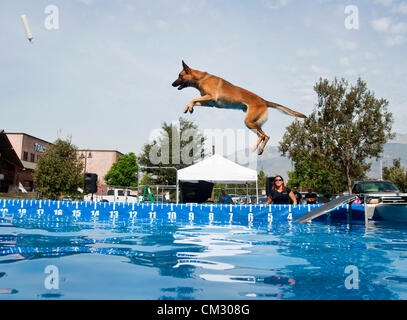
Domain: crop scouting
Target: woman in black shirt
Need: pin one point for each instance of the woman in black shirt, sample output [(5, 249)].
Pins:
[(279, 194)]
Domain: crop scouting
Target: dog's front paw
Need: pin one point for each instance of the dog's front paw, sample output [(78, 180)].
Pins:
[(189, 107)]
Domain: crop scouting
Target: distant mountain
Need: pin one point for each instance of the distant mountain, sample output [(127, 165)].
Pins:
[(391, 151), (272, 163), (400, 138)]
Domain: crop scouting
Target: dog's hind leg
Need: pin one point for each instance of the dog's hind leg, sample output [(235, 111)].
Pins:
[(254, 119), (265, 140)]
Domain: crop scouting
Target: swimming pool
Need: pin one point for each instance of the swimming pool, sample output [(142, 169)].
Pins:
[(56, 256)]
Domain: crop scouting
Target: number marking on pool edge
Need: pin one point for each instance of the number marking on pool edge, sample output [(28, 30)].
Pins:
[(22, 212), (76, 213), (172, 215)]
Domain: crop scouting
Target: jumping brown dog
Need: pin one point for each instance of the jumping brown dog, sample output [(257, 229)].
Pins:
[(217, 92)]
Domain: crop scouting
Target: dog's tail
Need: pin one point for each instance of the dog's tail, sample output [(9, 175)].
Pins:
[(285, 109)]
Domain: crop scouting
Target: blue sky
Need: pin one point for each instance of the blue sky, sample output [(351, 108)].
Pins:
[(104, 77)]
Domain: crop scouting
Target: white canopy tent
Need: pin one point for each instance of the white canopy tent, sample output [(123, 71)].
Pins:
[(217, 169)]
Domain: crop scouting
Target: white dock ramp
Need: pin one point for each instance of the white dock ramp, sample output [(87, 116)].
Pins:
[(325, 208)]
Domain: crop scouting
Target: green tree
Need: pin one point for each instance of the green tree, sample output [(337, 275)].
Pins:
[(179, 145), (397, 174), (309, 173), (331, 148), (147, 180), (123, 173), (261, 179), (59, 171)]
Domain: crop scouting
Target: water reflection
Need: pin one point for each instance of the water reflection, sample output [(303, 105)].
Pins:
[(6, 291), (178, 293), (277, 261), (327, 253), (214, 242)]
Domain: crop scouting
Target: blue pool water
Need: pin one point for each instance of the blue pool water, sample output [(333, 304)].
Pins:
[(155, 259)]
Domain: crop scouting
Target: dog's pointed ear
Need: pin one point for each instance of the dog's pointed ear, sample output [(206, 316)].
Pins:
[(186, 68)]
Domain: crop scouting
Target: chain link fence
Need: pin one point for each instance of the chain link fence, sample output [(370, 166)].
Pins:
[(168, 193)]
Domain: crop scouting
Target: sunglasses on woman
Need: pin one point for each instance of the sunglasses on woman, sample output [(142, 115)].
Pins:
[(278, 180)]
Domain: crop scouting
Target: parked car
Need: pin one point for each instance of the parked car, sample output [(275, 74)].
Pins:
[(235, 198), (246, 200), (263, 199), (382, 199), (333, 197), (376, 189), (114, 195), (322, 198), (370, 186)]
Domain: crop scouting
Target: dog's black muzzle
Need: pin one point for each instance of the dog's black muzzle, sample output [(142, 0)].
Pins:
[(180, 84)]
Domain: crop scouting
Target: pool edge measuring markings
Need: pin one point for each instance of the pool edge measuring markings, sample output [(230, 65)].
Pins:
[(163, 212)]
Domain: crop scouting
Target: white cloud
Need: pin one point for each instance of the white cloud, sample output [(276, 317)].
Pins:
[(386, 3), (393, 30), (274, 4), (400, 27), (382, 24), (347, 45), (319, 70), (289, 68), (345, 61), (138, 27), (351, 72), (371, 56), (308, 53), (162, 25), (393, 6), (393, 41), (402, 8), (87, 2)]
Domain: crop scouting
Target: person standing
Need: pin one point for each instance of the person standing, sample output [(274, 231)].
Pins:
[(340, 194), (297, 195), (311, 197), (280, 194), (224, 198)]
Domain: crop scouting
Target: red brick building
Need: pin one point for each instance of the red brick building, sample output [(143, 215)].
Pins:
[(99, 162), (29, 149), (10, 165)]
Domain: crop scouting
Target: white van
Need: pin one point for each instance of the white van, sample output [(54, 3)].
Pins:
[(114, 195)]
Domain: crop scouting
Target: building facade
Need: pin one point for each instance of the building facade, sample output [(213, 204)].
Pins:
[(10, 165), (99, 162), (29, 149)]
